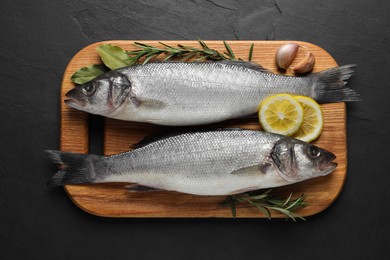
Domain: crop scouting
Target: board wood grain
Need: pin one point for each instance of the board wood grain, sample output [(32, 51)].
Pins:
[(112, 200)]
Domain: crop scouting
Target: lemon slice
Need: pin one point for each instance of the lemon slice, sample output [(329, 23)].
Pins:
[(281, 114), (312, 120)]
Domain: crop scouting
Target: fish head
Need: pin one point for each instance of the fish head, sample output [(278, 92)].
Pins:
[(297, 160), (102, 95)]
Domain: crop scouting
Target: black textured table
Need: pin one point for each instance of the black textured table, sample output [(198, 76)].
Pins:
[(38, 38)]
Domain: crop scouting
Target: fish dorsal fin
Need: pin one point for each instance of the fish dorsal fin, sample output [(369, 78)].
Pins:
[(240, 63), (246, 64), (157, 137), (151, 139)]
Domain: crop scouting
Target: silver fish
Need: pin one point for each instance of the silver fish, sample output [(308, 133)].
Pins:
[(193, 93), (218, 162)]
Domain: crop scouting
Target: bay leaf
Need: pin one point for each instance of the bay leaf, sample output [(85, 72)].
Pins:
[(88, 73), (113, 56)]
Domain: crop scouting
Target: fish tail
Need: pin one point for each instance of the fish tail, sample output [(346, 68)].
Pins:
[(330, 85), (73, 168)]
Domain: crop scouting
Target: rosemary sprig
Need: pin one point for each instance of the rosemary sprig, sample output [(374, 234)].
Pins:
[(265, 202), (181, 52)]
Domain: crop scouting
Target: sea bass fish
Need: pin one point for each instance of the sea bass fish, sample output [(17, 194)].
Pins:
[(218, 162), (193, 93)]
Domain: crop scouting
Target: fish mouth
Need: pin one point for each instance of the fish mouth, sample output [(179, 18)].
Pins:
[(73, 101), (328, 164)]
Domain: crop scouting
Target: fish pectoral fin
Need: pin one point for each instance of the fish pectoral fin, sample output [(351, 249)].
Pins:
[(151, 139), (140, 188), (247, 171), (147, 103), (152, 103), (253, 170)]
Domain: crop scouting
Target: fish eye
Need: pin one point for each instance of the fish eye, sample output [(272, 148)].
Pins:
[(314, 152), (88, 89)]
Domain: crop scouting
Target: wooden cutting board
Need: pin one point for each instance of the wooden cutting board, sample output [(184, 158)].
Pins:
[(112, 200)]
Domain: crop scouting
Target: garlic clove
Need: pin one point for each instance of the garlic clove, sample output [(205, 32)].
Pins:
[(306, 64), (286, 54)]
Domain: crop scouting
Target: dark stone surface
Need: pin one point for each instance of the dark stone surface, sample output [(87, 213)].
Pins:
[(38, 38)]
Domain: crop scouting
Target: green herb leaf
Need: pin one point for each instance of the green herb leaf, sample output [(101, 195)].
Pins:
[(88, 73), (263, 209), (251, 52), (231, 53), (258, 197), (113, 56), (149, 57), (233, 207), (166, 45), (170, 56)]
